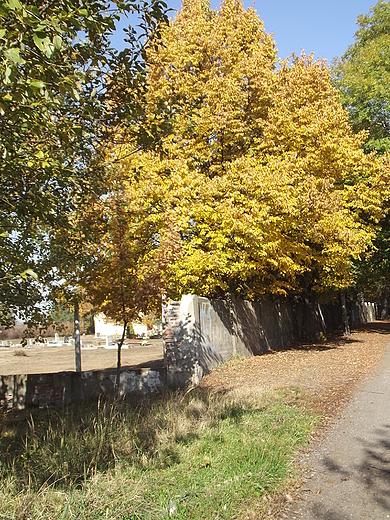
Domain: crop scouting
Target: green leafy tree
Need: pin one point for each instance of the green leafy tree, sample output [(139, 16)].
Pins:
[(362, 76), (62, 90), (372, 269)]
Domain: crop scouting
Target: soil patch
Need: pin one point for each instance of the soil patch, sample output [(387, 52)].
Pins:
[(51, 359)]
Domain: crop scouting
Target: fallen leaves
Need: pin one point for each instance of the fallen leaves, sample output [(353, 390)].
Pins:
[(328, 371)]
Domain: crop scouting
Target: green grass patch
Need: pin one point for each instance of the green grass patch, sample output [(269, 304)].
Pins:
[(182, 456)]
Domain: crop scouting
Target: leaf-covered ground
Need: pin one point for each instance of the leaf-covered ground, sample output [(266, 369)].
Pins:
[(327, 370)]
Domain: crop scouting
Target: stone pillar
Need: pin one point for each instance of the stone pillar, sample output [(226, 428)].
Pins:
[(180, 337)]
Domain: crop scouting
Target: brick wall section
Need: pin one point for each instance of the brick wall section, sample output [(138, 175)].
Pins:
[(179, 337), (171, 332)]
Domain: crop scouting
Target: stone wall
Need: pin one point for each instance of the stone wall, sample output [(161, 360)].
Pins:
[(42, 390), (200, 334), (179, 336)]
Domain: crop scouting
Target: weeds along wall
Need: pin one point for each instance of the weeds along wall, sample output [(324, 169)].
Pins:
[(200, 334)]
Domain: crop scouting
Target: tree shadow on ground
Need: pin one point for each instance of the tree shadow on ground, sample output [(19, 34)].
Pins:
[(375, 468), (153, 364), (338, 339), (372, 474), (331, 342), (378, 327)]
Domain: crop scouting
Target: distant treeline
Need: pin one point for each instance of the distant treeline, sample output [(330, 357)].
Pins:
[(20, 331)]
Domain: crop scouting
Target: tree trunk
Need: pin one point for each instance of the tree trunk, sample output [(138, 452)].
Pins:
[(347, 330), (77, 347), (308, 316), (385, 310), (119, 361)]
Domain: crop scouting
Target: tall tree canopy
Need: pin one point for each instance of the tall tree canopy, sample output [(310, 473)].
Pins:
[(62, 88), (363, 77), (260, 185)]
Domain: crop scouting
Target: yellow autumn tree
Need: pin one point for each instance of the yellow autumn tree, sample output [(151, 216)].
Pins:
[(258, 187), (120, 275), (325, 178)]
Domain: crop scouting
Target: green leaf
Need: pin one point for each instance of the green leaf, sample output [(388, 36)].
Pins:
[(40, 28), (34, 9), (7, 75), (14, 4), (29, 273), (49, 48), (43, 43), (36, 83), (14, 56), (57, 42), (40, 42), (2, 33), (76, 95)]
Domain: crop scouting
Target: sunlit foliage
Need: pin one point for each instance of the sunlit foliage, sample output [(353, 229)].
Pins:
[(260, 185)]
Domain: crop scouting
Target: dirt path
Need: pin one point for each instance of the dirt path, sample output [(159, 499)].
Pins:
[(347, 476)]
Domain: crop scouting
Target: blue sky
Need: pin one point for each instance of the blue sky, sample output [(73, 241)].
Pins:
[(325, 27)]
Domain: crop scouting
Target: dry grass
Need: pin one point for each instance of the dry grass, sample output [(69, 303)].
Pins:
[(197, 454), (20, 353)]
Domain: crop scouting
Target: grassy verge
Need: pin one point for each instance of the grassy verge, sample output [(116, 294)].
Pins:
[(182, 456)]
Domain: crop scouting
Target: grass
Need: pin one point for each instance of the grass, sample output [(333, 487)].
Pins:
[(183, 456), (19, 352)]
